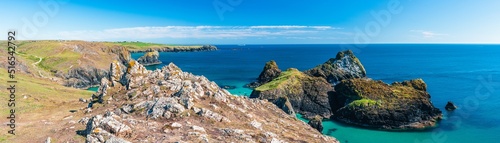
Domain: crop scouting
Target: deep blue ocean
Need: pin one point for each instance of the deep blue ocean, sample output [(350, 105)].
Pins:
[(468, 75)]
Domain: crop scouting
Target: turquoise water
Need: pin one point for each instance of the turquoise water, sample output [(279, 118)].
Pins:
[(468, 75), (93, 89)]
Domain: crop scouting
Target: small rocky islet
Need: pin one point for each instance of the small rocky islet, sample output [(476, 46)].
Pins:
[(150, 57), (339, 89)]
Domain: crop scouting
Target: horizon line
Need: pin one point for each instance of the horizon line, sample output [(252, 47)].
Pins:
[(373, 43)]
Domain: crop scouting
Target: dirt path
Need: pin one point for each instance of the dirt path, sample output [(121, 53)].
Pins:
[(40, 60)]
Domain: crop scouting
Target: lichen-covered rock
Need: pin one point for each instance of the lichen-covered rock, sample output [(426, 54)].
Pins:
[(108, 126), (169, 105), (374, 104), (269, 72), (344, 66), (149, 58), (307, 95), (115, 72)]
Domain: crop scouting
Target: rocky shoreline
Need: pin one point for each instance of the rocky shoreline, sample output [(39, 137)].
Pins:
[(177, 49)]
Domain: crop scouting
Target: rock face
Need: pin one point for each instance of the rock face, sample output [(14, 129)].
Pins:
[(344, 66), (308, 95), (317, 123), (83, 77), (269, 72), (450, 106), (374, 104), (149, 58), (169, 105), (87, 76)]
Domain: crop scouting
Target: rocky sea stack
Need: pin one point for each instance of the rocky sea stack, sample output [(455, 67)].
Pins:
[(374, 104), (150, 58), (269, 72), (168, 105), (317, 123), (339, 89), (344, 66), (450, 106)]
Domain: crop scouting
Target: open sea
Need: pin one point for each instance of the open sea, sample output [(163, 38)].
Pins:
[(468, 75)]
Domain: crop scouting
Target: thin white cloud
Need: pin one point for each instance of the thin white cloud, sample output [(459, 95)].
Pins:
[(428, 34), (219, 32)]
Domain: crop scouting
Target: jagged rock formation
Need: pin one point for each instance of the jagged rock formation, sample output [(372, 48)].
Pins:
[(317, 123), (82, 77), (178, 49), (269, 72), (354, 100), (450, 106), (149, 58), (169, 105), (307, 95), (87, 76), (374, 104), (344, 66)]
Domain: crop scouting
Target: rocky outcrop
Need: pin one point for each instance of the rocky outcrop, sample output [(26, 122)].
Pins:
[(450, 106), (354, 100), (284, 104), (308, 95), (317, 123), (374, 104), (83, 77), (169, 105), (344, 66), (270, 72), (150, 58), (178, 49)]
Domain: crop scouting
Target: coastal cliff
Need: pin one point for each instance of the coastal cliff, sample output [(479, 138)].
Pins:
[(176, 49), (82, 64), (374, 104), (169, 105), (307, 95)]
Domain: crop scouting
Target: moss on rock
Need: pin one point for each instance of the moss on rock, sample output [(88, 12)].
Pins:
[(376, 104)]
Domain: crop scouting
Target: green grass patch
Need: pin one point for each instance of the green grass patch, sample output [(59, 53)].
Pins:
[(61, 61), (284, 76), (40, 92), (364, 103)]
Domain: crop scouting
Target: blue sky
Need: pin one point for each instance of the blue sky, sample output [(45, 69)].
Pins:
[(257, 21)]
